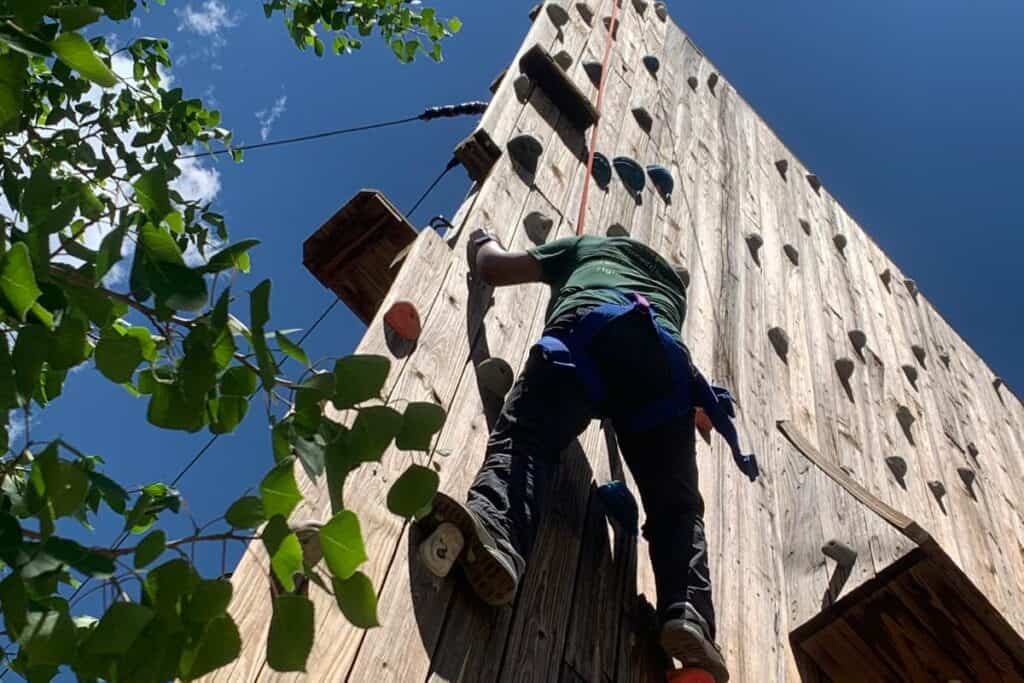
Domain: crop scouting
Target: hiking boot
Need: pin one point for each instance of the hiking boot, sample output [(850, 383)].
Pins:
[(491, 571), (686, 638)]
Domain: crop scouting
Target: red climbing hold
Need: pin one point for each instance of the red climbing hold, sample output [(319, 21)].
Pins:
[(703, 424), (404, 320), (689, 676)]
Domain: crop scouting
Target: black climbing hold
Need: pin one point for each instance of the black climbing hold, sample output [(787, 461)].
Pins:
[(792, 254), (538, 226), (858, 339), (806, 226), (911, 287), (534, 12), (898, 467), (906, 420), (661, 10), (814, 182), (712, 82), (780, 342), (522, 87), (683, 274), (886, 276), (613, 29), (754, 243), (944, 357), (662, 179), (782, 166), (640, 6), (631, 174), (844, 555), (586, 12), (652, 64), (564, 60), (840, 242), (938, 490), (550, 77), (972, 450), (593, 71), (525, 150), (692, 82), (602, 170), (911, 372), (968, 477), (844, 368), (643, 118), (495, 376), (920, 354), (559, 15), (616, 230)]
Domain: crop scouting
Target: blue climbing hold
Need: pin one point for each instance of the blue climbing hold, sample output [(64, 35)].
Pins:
[(602, 170), (631, 173), (652, 64), (620, 505), (662, 179)]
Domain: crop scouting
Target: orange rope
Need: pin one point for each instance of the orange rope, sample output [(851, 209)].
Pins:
[(600, 97)]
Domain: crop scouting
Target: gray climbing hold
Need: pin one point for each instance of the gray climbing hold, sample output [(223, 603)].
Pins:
[(643, 117), (968, 477), (780, 342), (563, 59), (661, 10), (601, 171), (538, 226), (692, 82), (844, 555), (712, 82), (911, 372), (683, 274), (631, 174), (805, 225), (593, 71), (844, 368), (586, 12), (905, 418), (792, 254), (944, 357), (858, 339), (898, 467), (559, 15), (782, 166), (495, 376), (754, 244), (972, 450), (886, 276), (616, 230), (938, 490), (920, 354), (652, 64), (525, 150), (662, 180), (840, 242), (813, 181), (911, 287), (522, 86)]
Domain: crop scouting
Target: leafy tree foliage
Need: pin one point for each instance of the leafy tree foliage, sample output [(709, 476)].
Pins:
[(89, 147)]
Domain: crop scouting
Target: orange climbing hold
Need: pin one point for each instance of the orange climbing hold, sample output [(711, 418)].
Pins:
[(689, 676), (703, 424), (404, 320)]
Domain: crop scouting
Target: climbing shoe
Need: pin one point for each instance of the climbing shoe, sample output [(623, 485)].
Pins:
[(491, 571), (686, 638)]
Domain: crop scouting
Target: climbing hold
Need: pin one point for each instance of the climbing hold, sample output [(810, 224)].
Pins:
[(792, 254), (783, 166), (559, 15), (944, 357), (643, 117), (843, 554), (616, 230), (754, 243), (525, 150), (844, 368), (858, 339), (911, 287), (661, 177), (938, 490), (652, 64), (612, 28), (522, 86), (534, 12), (911, 372), (898, 467), (404, 320), (972, 450), (683, 274), (661, 10), (601, 171), (688, 676), (920, 354), (640, 6), (712, 82), (997, 382), (692, 82), (495, 376), (631, 174), (780, 342), (586, 12), (538, 226), (840, 242), (968, 477), (886, 276), (593, 71), (813, 181), (620, 505), (563, 59), (906, 420), (805, 226)]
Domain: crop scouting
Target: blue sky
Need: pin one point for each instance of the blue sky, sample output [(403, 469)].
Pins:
[(910, 112)]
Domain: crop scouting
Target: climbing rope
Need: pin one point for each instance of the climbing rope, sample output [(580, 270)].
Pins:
[(612, 28)]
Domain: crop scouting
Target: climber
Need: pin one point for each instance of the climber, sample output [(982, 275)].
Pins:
[(611, 348)]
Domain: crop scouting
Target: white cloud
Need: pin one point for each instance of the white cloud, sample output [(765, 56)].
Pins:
[(209, 20), (268, 117)]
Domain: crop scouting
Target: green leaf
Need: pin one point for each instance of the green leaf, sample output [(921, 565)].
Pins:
[(177, 287), (284, 550), (358, 379), (291, 633), (25, 43), (413, 492), (259, 306), (112, 492), (372, 433), (171, 408), (230, 411), (279, 491), (235, 256), (14, 599), (219, 646), (69, 345), (17, 281), (118, 355), (85, 560), (74, 18), (66, 483), (342, 544), (357, 600), (238, 381), (168, 584), (245, 513), (421, 421), (291, 349), (12, 87), (158, 244), (118, 629), (76, 52), (29, 13), (210, 599), (89, 204), (151, 191), (454, 25), (30, 352), (150, 548), (109, 252), (48, 638)]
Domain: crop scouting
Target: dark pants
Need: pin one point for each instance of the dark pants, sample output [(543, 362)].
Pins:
[(548, 408)]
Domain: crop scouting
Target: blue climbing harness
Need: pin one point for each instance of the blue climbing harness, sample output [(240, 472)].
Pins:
[(689, 387)]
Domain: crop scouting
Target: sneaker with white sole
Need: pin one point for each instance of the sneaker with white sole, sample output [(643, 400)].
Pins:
[(686, 638)]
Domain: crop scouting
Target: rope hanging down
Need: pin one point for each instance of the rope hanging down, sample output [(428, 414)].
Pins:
[(429, 114), (612, 27)]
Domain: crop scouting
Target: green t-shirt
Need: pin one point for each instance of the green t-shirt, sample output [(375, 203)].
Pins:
[(590, 271)]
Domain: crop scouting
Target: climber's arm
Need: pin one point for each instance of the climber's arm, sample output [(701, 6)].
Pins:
[(498, 267)]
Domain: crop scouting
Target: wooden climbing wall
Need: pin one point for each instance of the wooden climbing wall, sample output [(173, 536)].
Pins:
[(857, 360)]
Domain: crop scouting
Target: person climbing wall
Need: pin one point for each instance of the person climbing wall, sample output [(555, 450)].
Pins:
[(611, 348)]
